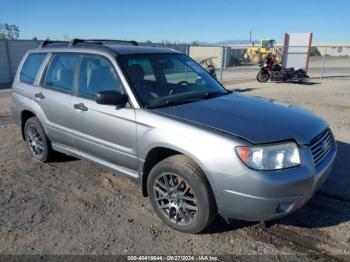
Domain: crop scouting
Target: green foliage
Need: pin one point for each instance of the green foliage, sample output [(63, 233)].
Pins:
[(8, 31)]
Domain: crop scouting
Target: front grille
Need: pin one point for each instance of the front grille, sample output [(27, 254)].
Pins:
[(322, 145)]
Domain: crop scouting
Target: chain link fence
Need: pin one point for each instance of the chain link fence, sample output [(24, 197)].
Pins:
[(233, 64), (241, 63)]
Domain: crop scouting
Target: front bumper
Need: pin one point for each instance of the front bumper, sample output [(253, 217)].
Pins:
[(260, 196)]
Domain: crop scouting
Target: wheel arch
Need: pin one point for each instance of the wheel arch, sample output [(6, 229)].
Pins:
[(159, 153), (25, 115)]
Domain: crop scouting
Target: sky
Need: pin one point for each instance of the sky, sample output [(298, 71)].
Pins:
[(178, 20)]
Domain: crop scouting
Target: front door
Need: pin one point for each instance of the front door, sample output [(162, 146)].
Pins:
[(106, 133)]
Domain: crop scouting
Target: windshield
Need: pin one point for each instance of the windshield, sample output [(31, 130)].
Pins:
[(168, 79)]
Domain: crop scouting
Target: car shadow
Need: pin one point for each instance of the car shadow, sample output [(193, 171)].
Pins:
[(221, 225), (304, 83), (59, 158), (241, 90), (330, 206)]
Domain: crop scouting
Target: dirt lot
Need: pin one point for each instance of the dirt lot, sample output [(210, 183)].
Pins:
[(72, 207)]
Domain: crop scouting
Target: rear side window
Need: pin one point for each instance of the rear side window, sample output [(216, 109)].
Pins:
[(60, 73), (31, 67)]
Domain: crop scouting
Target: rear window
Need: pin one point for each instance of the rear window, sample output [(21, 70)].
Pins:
[(31, 67)]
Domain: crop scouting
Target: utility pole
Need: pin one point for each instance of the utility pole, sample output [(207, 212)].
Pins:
[(250, 36)]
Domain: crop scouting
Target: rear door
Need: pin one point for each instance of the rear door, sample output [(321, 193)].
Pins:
[(27, 84), (55, 97), (107, 133)]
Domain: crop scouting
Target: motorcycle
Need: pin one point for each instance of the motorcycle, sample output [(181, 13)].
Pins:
[(278, 73), (208, 65)]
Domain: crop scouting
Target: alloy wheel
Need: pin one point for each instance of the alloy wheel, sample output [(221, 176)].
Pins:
[(175, 199), (34, 140)]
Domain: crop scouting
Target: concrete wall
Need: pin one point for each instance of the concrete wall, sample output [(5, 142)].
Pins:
[(333, 51), (199, 53)]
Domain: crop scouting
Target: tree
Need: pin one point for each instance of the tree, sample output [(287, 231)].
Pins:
[(148, 42), (194, 43), (8, 31)]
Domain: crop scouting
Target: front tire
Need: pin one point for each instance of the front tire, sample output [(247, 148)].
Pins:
[(180, 194), (37, 141), (262, 77)]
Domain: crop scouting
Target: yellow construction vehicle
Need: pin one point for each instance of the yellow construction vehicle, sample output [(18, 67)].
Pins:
[(256, 54)]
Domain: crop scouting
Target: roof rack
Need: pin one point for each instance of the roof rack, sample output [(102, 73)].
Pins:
[(99, 41), (46, 42), (76, 41)]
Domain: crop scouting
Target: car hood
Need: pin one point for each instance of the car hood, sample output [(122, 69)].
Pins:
[(257, 120)]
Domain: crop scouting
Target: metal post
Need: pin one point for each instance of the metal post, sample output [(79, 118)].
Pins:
[(323, 63), (222, 62), (225, 56)]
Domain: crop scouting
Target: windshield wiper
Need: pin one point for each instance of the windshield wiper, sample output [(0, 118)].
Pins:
[(170, 102), (211, 94), (174, 102)]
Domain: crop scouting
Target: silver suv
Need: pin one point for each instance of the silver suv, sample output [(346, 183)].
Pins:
[(155, 116)]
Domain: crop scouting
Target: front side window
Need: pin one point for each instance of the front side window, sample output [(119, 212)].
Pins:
[(168, 79), (97, 74), (60, 73), (31, 67)]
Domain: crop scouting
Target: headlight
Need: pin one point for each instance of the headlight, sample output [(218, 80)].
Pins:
[(270, 157)]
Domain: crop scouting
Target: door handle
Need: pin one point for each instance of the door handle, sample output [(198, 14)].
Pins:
[(39, 96), (81, 107)]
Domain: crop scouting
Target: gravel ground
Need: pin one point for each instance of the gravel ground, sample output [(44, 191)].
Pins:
[(72, 207)]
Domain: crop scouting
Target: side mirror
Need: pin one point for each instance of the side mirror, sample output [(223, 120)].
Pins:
[(111, 98)]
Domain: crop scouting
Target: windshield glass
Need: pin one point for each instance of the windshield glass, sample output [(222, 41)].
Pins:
[(168, 79)]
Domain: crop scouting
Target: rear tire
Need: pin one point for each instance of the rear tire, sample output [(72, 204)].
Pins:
[(180, 194), (37, 141)]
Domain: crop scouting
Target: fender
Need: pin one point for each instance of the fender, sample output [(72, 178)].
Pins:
[(218, 149)]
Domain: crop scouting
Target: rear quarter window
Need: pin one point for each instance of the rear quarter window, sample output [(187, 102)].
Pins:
[(31, 67)]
